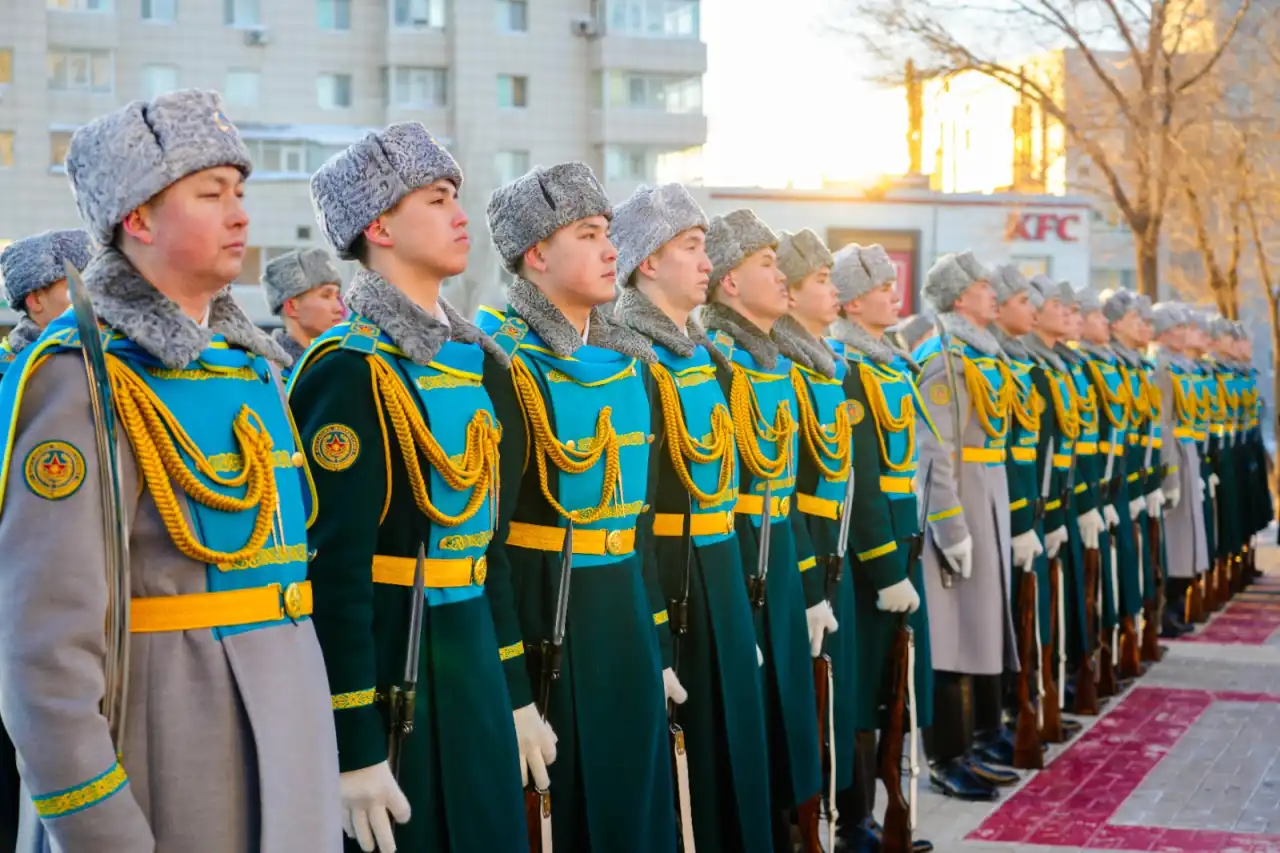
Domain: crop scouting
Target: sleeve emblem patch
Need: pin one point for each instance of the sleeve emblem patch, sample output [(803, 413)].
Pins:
[(939, 394), (335, 447), (856, 413), (54, 470)]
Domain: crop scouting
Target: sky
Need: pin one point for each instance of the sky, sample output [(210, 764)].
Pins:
[(787, 101)]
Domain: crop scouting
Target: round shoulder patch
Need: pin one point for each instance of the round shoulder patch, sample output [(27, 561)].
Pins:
[(335, 447), (54, 470), (939, 394), (856, 413)]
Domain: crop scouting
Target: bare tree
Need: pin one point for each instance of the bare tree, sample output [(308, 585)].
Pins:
[(1129, 72)]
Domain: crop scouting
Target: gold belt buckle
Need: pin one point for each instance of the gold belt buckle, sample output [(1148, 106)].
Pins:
[(613, 543), (479, 570), (293, 602), (784, 506)]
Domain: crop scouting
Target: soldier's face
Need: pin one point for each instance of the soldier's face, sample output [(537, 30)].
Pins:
[(1051, 319), (979, 302), (580, 261), (1074, 323), (1129, 326), (428, 230), (680, 269), (197, 227), (761, 286), (45, 304), (1146, 332), (814, 298), (318, 310), (878, 308), (1175, 338), (1094, 328), (1016, 314)]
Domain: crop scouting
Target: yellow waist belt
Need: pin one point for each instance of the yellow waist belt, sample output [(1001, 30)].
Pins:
[(1062, 461), (1023, 454), (704, 524), (440, 573), (595, 543), (982, 454), (219, 609), (1086, 448), (754, 505)]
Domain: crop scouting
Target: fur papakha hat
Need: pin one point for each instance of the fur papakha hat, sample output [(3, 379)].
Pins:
[(800, 254), (650, 219), (732, 238), (294, 273), (33, 263), (536, 205), (949, 277)]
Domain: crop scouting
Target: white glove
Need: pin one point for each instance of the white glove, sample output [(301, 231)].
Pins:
[(1111, 517), (367, 795), (821, 621), (1091, 527), (537, 744), (1172, 496), (759, 657), (1213, 485), (960, 556), (1155, 503), (1053, 542), (899, 598), (1200, 491), (1136, 506), (1026, 547), (672, 687)]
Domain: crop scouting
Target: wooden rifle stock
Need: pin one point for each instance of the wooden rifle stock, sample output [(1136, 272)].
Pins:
[(1155, 610), (1086, 686), (897, 814), (535, 801), (1195, 601), (810, 811), (1051, 724), (1026, 744)]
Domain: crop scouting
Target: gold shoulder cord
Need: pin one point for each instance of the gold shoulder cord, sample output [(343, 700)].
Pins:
[(150, 425), (566, 458), (478, 470), (751, 428), (834, 446), (1025, 407), (886, 422), (1068, 418), (1121, 398), (1186, 405), (988, 403), (684, 448), (1086, 403)]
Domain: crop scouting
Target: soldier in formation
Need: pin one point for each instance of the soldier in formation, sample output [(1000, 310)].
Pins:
[(702, 564)]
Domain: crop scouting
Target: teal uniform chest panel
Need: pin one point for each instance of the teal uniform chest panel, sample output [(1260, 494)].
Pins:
[(1114, 381), (1062, 383), (206, 397), (449, 392), (1020, 436), (700, 395), (1186, 387), (827, 397), (990, 368), (7, 356), (774, 395), (1080, 380), (575, 391), (897, 383)]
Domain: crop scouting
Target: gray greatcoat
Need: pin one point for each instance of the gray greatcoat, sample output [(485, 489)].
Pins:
[(1185, 543), (970, 625), (230, 744)]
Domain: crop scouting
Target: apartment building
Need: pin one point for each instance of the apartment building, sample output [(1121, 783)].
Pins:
[(506, 84)]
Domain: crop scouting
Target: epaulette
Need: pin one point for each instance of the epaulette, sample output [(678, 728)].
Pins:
[(509, 335), (723, 342), (489, 319), (361, 336)]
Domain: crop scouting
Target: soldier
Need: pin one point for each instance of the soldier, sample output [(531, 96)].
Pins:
[(1258, 478), (226, 670), (966, 560), (582, 389), (748, 295), (662, 261), (913, 331), (35, 284), (886, 414), (1186, 546), (406, 380), (1224, 390), (1204, 598), (302, 288)]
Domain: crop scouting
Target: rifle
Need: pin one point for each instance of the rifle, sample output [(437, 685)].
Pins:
[(1108, 647), (957, 445), (115, 703), (756, 586), (537, 803), (1026, 745), (403, 698), (1050, 702), (900, 812), (678, 613)]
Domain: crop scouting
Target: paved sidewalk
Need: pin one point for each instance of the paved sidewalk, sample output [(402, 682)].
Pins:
[(1185, 760)]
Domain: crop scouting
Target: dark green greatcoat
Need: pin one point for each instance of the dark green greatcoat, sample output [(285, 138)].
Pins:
[(460, 767)]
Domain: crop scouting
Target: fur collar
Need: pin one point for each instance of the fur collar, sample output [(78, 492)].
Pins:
[(561, 337), (878, 350), (1102, 353), (637, 312), (1069, 356), (1043, 352), (980, 339), (1012, 347), (745, 334), (129, 303), (416, 332), (24, 334), (1130, 357), (798, 344), (289, 344)]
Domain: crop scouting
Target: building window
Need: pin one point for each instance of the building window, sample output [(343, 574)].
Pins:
[(80, 5), (333, 91), (79, 70), (241, 89), (334, 14), (59, 142), (511, 165), (6, 149), (288, 158), (513, 16), (659, 92), (654, 18), (513, 91), (419, 88), (418, 14), (158, 79), (6, 66), (628, 163), (240, 13), (160, 11)]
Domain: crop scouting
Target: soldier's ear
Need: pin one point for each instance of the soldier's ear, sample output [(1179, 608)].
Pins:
[(535, 258), (137, 224), (376, 233)]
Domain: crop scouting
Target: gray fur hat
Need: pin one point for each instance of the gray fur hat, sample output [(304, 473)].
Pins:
[(849, 274), (294, 273), (1008, 282), (32, 263), (1221, 327), (1118, 303), (1166, 316), (878, 264), (120, 161), (1146, 308), (914, 329), (1088, 299), (800, 254), (949, 277), (1043, 289), (1070, 298), (358, 185), (650, 219), (533, 207), (733, 237)]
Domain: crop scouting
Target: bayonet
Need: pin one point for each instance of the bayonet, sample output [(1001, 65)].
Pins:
[(404, 696), (1046, 481), (678, 614), (762, 558)]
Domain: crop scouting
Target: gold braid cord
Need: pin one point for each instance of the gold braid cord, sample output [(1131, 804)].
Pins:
[(886, 422), (988, 403), (153, 430), (478, 470), (1120, 398), (568, 460), (684, 448), (1086, 405), (835, 445), (1025, 406), (1155, 400), (1186, 405), (1068, 417), (752, 428), (1139, 404)]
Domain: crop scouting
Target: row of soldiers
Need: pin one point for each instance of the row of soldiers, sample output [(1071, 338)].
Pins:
[(681, 533)]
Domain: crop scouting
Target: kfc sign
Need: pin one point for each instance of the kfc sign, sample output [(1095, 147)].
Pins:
[(1037, 227)]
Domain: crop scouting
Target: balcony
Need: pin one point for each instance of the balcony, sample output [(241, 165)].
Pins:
[(667, 56), (649, 128)]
